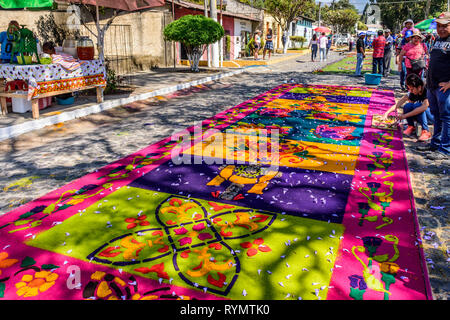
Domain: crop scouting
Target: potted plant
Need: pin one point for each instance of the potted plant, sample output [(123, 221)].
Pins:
[(195, 32)]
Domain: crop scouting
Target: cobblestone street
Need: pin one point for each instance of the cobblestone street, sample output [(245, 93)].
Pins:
[(38, 162)]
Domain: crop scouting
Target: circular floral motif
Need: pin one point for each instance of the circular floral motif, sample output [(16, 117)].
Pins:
[(32, 285)]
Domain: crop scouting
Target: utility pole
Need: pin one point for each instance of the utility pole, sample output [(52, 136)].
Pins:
[(215, 46), (174, 46), (320, 4), (427, 9), (221, 40), (208, 48)]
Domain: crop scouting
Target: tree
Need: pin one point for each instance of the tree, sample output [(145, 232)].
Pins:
[(254, 3), (342, 4), (49, 30), (342, 20), (361, 26), (285, 12), (92, 13), (195, 32), (312, 11), (394, 14)]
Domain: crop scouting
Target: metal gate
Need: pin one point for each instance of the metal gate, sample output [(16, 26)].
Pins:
[(118, 47)]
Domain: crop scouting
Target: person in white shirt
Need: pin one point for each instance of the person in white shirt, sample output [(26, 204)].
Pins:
[(323, 40)]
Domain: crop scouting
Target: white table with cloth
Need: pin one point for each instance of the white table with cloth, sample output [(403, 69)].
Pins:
[(46, 80)]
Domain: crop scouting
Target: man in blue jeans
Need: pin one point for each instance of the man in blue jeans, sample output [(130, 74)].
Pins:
[(360, 53), (438, 83), (378, 53), (388, 48)]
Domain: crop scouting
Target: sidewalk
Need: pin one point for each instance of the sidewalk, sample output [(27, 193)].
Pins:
[(148, 84), (250, 61), (145, 85)]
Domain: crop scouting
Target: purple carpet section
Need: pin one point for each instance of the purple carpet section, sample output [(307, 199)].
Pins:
[(337, 99), (299, 192)]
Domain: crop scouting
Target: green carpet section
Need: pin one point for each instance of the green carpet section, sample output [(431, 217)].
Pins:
[(261, 255)]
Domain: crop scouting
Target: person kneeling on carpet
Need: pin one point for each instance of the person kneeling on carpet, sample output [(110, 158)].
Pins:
[(416, 109)]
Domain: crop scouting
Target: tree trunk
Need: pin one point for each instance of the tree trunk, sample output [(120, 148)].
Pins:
[(427, 9), (101, 32), (194, 54)]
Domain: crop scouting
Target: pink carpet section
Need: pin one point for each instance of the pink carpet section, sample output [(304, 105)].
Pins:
[(397, 257), (379, 256)]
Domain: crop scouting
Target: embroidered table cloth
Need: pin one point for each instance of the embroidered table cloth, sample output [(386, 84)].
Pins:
[(48, 78)]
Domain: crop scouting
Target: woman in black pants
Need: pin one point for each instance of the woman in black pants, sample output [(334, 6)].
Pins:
[(313, 45)]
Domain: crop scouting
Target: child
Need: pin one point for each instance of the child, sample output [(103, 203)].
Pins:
[(48, 48), (416, 109), (408, 25), (65, 60)]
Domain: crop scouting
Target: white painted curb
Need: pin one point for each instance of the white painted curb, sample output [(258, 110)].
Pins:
[(18, 129)]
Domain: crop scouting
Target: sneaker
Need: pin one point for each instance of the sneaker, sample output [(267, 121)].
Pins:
[(437, 155), (409, 131), (404, 88), (427, 147), (425, 135)]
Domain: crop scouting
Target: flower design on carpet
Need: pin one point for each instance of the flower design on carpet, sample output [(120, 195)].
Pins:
[(195, 236), (32, 284)]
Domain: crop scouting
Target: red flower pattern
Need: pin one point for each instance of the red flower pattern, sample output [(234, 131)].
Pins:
[(134, 222), (254, 246)]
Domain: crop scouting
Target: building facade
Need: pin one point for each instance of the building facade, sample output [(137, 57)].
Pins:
[(238, 20), (302, 27)]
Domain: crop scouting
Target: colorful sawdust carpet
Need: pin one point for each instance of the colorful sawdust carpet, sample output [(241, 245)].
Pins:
[(334, 218)]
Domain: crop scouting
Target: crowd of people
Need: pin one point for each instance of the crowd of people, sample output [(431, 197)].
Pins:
[(321, 44), (423, 62)]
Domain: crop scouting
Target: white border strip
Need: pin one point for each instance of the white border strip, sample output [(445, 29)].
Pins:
[(18, 129)]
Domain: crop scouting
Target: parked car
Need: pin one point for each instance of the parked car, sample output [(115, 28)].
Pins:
[(341, 41)]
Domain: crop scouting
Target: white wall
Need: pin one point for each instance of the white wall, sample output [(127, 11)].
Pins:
[(300, 31), (239, 26)]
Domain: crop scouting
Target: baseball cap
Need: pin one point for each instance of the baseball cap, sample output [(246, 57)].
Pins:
[(408, 33), (443, 18), (361, 34)]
